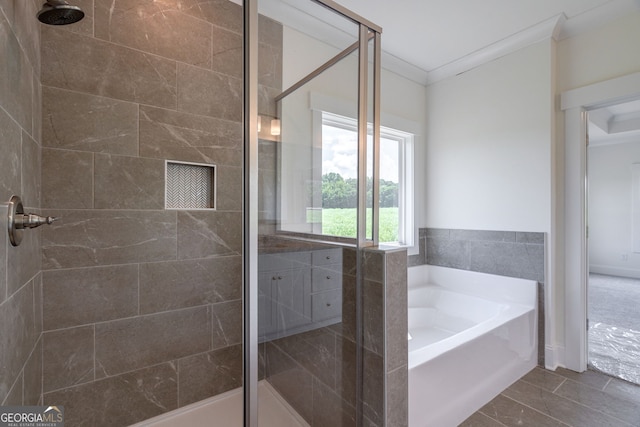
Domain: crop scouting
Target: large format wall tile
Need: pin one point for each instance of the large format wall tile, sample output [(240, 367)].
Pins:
[(68, 357), (23, 262), (507, 253), (293, 382), (229, 188), (209, 93), (90, 238), (226, 323), (155, 27), (204, 234), (205, 375), (16, 78), (15, 394), (120, 400), (10, 165), (33, 376), (395, 288), (31, 167), (72, 61), (329, 409), (173, 135), (26, 30), (4, 247), (80, 121), (37, 109), (514, 260), (270, 66), (397, 397), (67, 179), (227, 52), (128, 182), (315, 351), (128, 344), (180, 284), (19, 335), (74, 297), (222, 13)]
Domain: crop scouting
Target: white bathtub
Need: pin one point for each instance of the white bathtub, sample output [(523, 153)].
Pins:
[(472, 335)]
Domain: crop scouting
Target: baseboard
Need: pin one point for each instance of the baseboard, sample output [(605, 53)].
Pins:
[(614, 271), (553, 357)]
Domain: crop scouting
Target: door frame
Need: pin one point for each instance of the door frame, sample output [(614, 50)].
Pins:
[(575, 104)]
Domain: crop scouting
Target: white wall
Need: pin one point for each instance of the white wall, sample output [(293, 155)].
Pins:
[(489, 134), (610, 209)]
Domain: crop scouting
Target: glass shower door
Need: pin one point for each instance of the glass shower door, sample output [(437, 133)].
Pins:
[(315, 97)]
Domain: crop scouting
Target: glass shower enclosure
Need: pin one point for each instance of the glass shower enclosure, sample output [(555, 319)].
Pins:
[(307, 64)]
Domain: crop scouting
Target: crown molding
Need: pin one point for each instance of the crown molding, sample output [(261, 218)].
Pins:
[(544, 30)]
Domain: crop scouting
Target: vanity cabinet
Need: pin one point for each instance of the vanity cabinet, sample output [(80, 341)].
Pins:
[(299, 291)]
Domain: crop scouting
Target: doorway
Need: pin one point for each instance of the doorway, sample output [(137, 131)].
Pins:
[(573, 197), (613, 207)]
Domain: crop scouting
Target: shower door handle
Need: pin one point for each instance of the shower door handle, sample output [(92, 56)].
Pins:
[(17, 220)]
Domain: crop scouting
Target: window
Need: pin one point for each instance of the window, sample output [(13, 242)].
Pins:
[(339, 145)]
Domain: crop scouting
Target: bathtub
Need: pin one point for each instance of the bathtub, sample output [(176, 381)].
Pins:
[(471, 335)]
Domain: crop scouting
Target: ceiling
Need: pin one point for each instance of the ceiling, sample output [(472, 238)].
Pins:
[(427, 40), (433, 33), (614, 124)]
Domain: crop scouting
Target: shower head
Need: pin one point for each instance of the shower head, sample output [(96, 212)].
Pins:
[(59, 12)]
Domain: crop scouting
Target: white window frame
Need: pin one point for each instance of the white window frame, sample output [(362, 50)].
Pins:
[(405, 168)]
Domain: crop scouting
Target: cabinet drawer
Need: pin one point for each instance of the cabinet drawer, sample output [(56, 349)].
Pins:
[(324, 279), (326, 305), (326, 256)]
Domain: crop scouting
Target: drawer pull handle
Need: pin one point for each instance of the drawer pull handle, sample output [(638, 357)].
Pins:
[(328, 304), (328, 277), (328, 257), (274, 278)]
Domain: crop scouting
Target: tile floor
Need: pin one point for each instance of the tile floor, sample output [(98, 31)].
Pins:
[(562, 398)]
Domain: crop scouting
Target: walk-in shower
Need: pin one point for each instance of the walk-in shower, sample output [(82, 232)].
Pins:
[(149, 307)]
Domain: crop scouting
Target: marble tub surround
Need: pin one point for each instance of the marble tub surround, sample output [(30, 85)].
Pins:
[(148, 298), (20, 141), (505, 253)]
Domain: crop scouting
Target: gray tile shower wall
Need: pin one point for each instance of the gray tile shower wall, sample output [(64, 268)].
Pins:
[(148, 298), (505, 253), (20, 267)]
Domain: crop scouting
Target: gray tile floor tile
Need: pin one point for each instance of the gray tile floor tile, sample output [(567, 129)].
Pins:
[(512, 413), (562, 398), (481, 420), (624, 390), (616, 407)]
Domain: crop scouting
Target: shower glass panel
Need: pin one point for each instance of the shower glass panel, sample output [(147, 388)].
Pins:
[(313, 159)]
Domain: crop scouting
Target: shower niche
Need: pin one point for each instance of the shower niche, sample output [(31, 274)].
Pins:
[(190, 186)]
